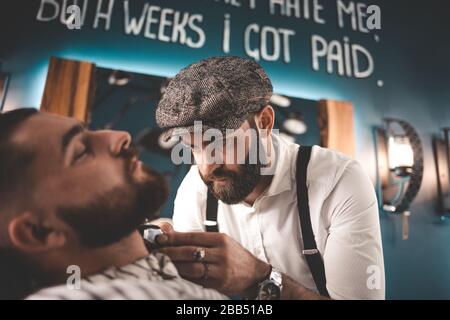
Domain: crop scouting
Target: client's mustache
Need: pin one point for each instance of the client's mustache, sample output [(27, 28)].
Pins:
[(129, 153)]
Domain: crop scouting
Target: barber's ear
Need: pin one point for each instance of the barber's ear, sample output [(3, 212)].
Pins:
[(28, 234), (266, 118)]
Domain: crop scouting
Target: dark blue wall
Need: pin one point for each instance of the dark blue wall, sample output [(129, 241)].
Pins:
[(412, 58)]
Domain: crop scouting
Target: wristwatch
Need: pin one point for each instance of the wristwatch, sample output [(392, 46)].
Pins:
[(270, 289)]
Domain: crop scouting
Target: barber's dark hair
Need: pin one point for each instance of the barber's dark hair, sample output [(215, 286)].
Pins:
[(15, 282)]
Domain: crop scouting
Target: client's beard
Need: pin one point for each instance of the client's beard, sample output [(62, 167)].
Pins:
[(115, 214)]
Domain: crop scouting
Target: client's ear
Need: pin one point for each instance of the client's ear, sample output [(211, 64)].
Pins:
[(29, 234)]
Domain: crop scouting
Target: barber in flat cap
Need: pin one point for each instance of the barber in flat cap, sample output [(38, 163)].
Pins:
[(308, 230)]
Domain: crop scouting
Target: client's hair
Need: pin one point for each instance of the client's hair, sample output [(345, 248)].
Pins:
[(15, 281)]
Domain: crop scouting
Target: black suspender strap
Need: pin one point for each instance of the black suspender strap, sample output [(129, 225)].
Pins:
[(211, 213), (312, 255)]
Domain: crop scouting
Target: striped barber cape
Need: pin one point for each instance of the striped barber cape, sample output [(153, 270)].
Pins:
[(154, 277)]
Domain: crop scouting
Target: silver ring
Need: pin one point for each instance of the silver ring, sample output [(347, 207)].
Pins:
[(205, 273), (199, 255)]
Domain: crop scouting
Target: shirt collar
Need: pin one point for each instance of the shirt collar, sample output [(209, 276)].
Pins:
[(282, 179)]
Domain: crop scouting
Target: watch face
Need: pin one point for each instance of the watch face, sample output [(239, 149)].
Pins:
[(269, 291)]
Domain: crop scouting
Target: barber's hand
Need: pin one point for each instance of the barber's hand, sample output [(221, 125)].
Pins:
[(166, 227), (231, 269)]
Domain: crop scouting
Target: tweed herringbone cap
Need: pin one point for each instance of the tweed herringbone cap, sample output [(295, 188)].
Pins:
[(220, 91)]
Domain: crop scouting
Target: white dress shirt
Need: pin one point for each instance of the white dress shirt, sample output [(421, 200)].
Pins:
[(344, 218)]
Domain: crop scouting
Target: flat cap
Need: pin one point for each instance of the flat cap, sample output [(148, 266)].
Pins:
[(219, 91)]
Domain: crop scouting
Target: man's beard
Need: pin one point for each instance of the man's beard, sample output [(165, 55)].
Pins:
[(237, 186), (115, 214)]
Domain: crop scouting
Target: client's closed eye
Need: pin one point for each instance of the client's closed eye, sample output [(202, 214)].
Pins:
[(82, 150)]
